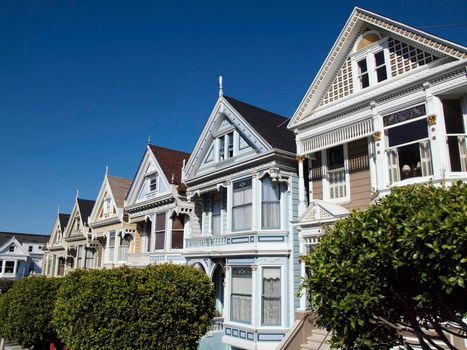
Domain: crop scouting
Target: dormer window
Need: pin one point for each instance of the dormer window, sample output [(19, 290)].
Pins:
[(363, 74), (221, 148), (381, 73), (153, 183), (226, 146), (11, 249), (77, 224), (107, 204)]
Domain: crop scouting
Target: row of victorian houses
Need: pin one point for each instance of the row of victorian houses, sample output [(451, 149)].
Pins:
[(387, 108)]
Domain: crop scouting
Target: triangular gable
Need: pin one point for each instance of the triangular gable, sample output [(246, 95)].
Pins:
[(56, 236), (332, 80), (113, 189), (72, 229), (139, 189), (224, 118), (321, 211), (19, 250)]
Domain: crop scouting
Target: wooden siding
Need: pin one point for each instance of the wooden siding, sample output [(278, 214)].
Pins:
[(360, 190), (317, 189)]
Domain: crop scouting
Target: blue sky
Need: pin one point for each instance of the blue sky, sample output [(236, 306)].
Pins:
[(83, 83)]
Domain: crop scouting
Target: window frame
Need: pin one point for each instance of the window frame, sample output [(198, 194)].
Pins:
[(276, 186), (325, 176), (250, 204), (250, 295), (278, 296)]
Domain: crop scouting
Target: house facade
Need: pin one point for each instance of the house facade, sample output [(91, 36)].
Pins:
[(113, 238), (21, 254), (157, 206), (387, 108), (54, 251), (242, 180)]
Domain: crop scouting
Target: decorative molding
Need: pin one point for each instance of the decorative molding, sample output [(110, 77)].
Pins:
[(377, 136), (431, 119)]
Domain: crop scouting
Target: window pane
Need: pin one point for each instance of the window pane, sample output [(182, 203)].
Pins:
[(408, 132), (381, 74), (9, 266), (379, 58), (453, 117), (160, 222), (362, 66), (364, 80), (177, 232), (160, 240), (241, 211), (271, 310), (270, 207), (241, 294), (454, 154)]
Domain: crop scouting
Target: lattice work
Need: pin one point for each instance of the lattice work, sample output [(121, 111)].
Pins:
[(404, 58), (342, 85)]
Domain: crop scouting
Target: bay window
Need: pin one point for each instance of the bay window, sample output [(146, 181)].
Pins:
[(241, 294), (160, 231), (242, 205), (271, 297), (270, 204)]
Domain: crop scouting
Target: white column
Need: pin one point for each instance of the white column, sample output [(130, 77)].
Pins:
[(255, 298), (106, 251), (436, 133), (168, 237), (118, 240), (255, 200), (229, 206), (382, 173), (227, 292), (55, 265), (153, 233), (301, 186), (302, 255)]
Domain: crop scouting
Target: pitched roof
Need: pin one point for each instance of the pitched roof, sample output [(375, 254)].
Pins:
[(119, 187), (23, 237), (85, 208), (171, 162), (63, 219), (271, 126)]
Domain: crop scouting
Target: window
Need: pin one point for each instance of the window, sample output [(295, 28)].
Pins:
[(363, 74), (408, 145), (77, 224), (111, 247), (336, 172), (153, 183), (89, 258), (241, 294), (177, 231), (271, 298), (160, 231), (9, 266), (221, 149), (30, 248), (270, 205), (380, 67), (226, 146), (241, 210), (230, 150), (124, 247), (61, 266), (1, 266), (456, 137), (79, 257), (12, 248), (216, 208), (107, 203)]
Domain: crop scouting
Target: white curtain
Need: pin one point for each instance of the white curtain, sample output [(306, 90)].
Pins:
[(241, 212), (271, 205), (216, 214), (241, 294), (271, 296)]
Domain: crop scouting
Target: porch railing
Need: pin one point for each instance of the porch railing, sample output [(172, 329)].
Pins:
[(217, 324)]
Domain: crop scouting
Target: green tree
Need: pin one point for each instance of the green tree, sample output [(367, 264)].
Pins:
[(26, 311), (158, 307), (399, 266)]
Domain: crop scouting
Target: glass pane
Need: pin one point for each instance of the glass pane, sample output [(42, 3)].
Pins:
[(160, 240), (362, 66), (336, 157), (271, 311), (454, 156), (381, 73), (379, 58), (271, 213), (365, 82), (241, 218), (409, 161), (408, 132), (453, 117), (177, 239), (160, 222)]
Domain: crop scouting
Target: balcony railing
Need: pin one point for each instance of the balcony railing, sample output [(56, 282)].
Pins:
[(237, 238), (217, 324)]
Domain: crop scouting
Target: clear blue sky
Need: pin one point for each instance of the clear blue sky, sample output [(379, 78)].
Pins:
[(83, 83)]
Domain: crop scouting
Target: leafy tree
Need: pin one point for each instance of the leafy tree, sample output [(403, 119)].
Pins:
[(26, 311), (5, 284), (400, 266), (158, 307)]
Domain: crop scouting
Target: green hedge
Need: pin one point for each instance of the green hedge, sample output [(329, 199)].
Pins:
[(158, 307), (26, 311)]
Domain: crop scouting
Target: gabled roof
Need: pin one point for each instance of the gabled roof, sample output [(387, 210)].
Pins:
[(271, 126), (23, 237), (85, 208), (321, 211), (171, 162), (358, 21), (119, 187), (63, 219)]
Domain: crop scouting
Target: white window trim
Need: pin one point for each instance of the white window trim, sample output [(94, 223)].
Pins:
[(368, 54), (282, 296), (326, 188)]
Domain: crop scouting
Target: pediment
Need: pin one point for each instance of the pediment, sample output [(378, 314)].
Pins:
[(18, 250), (75, 223), (321, 211), (226, 137), (149, 182), (57, 234), (406, 49)]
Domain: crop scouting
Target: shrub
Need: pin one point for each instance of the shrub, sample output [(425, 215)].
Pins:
[(158, 307), (399, 266), (26, 311)]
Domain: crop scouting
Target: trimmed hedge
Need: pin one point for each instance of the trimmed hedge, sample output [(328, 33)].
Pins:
[(26, 311), (159, 307)]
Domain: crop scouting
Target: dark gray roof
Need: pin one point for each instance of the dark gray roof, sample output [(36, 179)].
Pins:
[(85, 208), (23, 237), (63, 218), (271, 126)]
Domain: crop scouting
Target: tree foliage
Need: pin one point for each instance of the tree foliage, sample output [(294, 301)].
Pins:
[(399, 266), (158, 307), (26, 311)]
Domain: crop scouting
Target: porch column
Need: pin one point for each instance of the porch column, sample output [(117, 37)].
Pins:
[(56, 265), (301, 185), (255, 199), (382, 173), (436, 133), (227, 293), (229, 206), (118, 240), (254, 297), (152, 248)]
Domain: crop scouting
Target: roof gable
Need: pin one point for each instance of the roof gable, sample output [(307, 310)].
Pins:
[(58, 229), (81, 210), (254, 130), (336, 67), (18, 251), (320, 211)]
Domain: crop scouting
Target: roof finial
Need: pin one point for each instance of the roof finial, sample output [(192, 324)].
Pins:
[(106, 170), (221, 92), (58, 210), (149, 139), (77, 194)]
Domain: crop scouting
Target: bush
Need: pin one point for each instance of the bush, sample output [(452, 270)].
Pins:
[(399, 266), (5, 284), (26, 311), (158, 307)]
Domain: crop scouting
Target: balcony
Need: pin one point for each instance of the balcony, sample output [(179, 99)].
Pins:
[(144, 259), (239, 243)]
